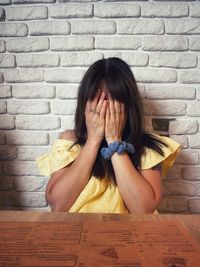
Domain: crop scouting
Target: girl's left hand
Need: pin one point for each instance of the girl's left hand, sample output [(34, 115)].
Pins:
[(115, 121)]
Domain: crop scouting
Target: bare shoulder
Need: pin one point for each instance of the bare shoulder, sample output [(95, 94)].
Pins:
[(68, 135)]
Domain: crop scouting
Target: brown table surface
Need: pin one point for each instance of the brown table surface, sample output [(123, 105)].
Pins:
[(191, 222), (104, 239)]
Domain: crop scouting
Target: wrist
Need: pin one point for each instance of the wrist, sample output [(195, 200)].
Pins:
[(111, 140), (118, 147), (93, 142)]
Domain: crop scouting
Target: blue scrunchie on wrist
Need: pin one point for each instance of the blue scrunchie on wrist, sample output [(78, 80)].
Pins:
[(117, 146)]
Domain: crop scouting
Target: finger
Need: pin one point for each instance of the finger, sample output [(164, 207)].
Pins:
[(117, 106), (103, 110), (107, 114), (123, 114), (123, 111), (100, 102), (112, 107), (94, 102), (87, 107), (122, 107)]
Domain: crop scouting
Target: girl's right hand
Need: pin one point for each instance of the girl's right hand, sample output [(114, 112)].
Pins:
[(95, 118)]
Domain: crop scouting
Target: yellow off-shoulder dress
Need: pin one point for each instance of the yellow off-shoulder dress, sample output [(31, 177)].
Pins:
[(101, 195)]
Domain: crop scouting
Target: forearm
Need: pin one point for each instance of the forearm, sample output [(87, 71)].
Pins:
[(63, 193), (135, 190)]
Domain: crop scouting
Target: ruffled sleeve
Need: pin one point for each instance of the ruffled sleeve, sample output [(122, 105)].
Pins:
[(151, 158), (61, 154)]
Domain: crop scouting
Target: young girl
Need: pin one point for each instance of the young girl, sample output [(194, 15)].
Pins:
[(108, 163)]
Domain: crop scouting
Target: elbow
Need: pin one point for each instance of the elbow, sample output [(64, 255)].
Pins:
[(146, 207), (154, 205), (55, 204), (51, 201)]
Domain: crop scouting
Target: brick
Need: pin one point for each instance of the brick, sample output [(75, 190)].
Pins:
[(188, 157), (195, 43), (28, 107), (183, 127), (25, 199), (2, 139), (140, 26), (170, 92), (75, 10), (67, 122), (174, 173), (64, 75), (79, 58), (93, 27), (64, 1), (13, 29), (30, 153), (142, 90), (7, 122), (131, 58), (27, 45), (117, 42), (37, 60), (194, 141), (173, 205), (181, 139), (64, 107), (155, 75), (23, 75), (72, 43), (198, 190), (189, 76), (171, 188), (1, 77), (164, 108), (1, 199), (183, 26), (37, 123), (2, 46), (32, 1), (5, 91), (195, 10), (20, 168), (49, 28), (53, 135), (3, 107), (191, 173), (2, 14), (26, 13), (68, 91), (193, 109), (7, 61), (5, 2), (26, 138), (198, 93), (148, 123), (113, 10), (30, 184), (33, 91), (165, 43), (164, 10), (194, 205), (172, 60), (8, 153), (6, 183)]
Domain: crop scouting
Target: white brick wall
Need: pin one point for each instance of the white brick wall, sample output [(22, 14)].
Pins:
[(45, 48)]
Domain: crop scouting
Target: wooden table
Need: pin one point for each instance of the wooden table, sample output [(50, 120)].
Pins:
[(33, 239)]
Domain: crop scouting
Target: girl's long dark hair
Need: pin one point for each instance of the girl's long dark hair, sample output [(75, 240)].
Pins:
[(120, 83)]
